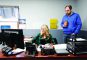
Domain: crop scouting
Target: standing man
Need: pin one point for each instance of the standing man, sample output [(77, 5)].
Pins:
[(71, 23)]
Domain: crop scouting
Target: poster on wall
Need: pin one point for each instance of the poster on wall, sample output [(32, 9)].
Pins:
[(22, 23), (53, 23)]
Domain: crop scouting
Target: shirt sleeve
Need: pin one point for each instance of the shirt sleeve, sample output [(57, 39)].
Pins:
[(79, 24), (52, 40), (35, 38), (62, 23)]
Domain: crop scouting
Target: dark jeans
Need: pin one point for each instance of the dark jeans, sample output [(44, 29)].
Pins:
[(68, 36)]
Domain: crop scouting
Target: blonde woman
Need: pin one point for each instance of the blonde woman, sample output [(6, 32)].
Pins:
[(44, 36)]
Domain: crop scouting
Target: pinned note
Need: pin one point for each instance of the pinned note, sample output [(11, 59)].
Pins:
[(53, 23)]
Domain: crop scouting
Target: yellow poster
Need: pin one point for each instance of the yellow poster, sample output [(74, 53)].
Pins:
[(53, 23)]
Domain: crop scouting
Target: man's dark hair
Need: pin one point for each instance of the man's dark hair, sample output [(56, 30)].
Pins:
[(70, 7)]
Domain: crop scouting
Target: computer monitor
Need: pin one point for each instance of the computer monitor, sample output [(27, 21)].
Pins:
[(13, 37), (5, 26)]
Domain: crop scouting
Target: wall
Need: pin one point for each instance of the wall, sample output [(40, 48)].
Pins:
[(38, 12), (83, 12)]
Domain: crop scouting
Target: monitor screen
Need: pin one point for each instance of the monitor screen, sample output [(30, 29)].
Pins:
[(5, 26), (14, 37)]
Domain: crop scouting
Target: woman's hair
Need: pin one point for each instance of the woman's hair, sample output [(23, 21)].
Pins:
[(46, 29)]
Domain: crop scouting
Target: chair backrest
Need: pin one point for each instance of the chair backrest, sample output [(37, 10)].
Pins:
[(55, 40)]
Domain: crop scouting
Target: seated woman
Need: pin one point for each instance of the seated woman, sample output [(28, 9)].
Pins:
[(44, 37)]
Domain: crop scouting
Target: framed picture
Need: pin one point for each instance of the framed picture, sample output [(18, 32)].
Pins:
[(22, 21)]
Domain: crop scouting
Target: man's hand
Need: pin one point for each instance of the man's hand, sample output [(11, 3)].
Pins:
[(65, 23), (73, 34)]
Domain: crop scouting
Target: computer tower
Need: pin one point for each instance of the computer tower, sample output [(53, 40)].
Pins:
[(77, 47)]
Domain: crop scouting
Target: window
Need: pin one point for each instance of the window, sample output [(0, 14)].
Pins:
[(9, 17), (9, 11)]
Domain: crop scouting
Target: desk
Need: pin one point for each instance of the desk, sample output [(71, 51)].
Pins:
[(23, 56), (2, 56), (48, 57)]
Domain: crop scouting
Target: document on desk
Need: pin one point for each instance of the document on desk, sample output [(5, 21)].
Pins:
[(18, 50), (23, 54), (60, 46), (79, 39)]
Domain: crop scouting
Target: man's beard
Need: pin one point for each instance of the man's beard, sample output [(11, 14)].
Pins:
[(68, 13)]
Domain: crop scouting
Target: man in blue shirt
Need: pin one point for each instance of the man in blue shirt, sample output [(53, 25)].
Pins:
[(71, 23)]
